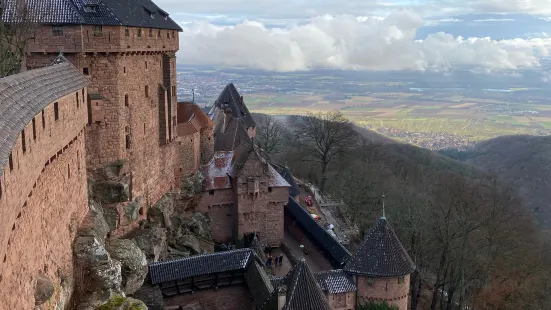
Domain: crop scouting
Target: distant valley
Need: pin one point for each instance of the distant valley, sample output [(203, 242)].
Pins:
[(432, 110)]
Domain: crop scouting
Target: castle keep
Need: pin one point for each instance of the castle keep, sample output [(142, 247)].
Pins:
[(92, 133)]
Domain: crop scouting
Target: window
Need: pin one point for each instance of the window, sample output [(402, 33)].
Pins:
[(269, 189), (85, 71), (34, 129), (126, 32), (10, 160), (139, 32), (146, 91), (43, 120), (98, 30), (23, 141), (68, 171), (78, 161), (173, 91), (126, 104), (168, 35), (57, 30), (144, 128), (127, 140), (401, 280), (124, 70), (78, 101), (158, 33), (146, 64), (370, 281), (211, 192), (56, 111), (151, 30), (173, 34), (0, 189), (89, 8)]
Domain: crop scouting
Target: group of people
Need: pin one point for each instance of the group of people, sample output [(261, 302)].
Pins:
[(274, 261)]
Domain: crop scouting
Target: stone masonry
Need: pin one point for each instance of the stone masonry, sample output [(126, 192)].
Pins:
[(133, 92), (44, 199), (394, 291)]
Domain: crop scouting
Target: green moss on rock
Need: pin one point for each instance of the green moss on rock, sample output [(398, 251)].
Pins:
[(118, 302)]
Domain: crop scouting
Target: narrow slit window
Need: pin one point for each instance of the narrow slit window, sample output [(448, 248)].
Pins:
[(23, 145), (126, 103), (43, 120), (146, 91), (11, 162), (78, 101), (56, 111), (34, 129)]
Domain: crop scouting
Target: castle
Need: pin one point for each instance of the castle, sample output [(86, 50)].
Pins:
[(96, 116)]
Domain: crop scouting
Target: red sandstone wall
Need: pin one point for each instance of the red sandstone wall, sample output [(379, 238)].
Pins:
[(342, 301), (44, 198), (77, 39), (384, 289), (219, 207), (206, 146), (226, 298), (189, 154), (262, 212)]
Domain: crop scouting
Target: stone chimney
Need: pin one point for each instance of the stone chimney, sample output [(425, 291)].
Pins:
[(281, 296), (227, 116)]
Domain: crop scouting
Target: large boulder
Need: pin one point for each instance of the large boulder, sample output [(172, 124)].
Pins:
[(94, 224), (152, 241), (43, 290), (131, 212), (111, 191), (97, 274), (187, 242), (118, 302), (193, 185), (159, 215), (151, 296), (133, 263)]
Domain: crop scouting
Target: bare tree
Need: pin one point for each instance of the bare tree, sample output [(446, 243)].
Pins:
[(270, 134), (17, 27), (322, 138)]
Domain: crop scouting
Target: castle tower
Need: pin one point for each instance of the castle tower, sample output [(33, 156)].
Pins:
[(127, 48), (381, 268)]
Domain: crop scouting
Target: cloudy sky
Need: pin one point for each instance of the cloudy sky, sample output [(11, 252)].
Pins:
[(288, 35)]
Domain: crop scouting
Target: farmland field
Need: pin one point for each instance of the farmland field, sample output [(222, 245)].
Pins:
[(474, 118)]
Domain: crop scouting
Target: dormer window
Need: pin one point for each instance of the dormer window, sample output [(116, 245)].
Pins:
[(90, 8)]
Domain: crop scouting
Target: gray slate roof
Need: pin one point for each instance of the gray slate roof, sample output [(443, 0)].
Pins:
[(179, 269), (302, 291), (136, 13), (381, 254), (25, 95), (230, 98), (286, 173), (335, 281)]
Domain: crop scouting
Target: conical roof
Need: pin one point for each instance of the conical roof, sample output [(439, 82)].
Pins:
[(301, 289), (381, 254)]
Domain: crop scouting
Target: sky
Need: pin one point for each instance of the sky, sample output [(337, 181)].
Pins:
[(293, 35)]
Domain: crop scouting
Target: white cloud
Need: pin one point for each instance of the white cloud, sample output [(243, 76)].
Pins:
[(511, 6), (492, 20), (345, 41)]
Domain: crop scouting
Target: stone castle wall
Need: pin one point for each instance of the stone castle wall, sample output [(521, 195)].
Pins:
[(384, 289), (113, 39), (43, 200), (219, 207), (342, 301), (135, 121), (260, 212)]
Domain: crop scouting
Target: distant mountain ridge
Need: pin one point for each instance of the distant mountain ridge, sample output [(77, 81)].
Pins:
[(522, 161)]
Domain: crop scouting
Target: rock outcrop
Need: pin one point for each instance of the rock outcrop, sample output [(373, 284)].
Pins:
[(133, 263), (44, 289), (119, 302), (151, 296), (152, 241), (111, 183)]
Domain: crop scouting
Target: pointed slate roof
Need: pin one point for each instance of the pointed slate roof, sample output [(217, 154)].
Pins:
[(230, 98), (301, 290), (136, 13), (25, 95), (381, 254)]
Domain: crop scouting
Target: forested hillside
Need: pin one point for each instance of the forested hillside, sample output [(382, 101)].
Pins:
[(467, 231), (524, 163)]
